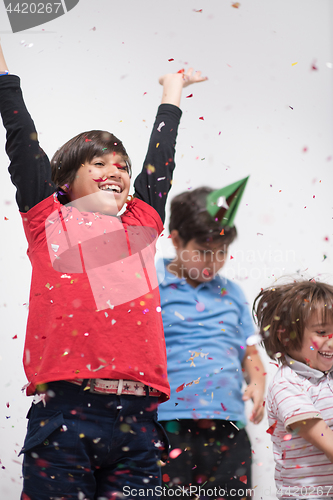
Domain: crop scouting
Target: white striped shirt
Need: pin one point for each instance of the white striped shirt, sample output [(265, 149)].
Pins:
[(298, 392)]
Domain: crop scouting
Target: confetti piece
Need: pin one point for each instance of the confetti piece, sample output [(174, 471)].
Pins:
[(175, 453), (100, 179), (157, 145), (6, 218), (179, 316), (188, 96), (243, 479), (201, 118), (271, 429), (291, 107), (236, 5), (222, 232), (200, 10), (170, 60), (166, 478), (294, 64), (223, 407), (15, 337), (150, 169), (231, 257), (161, 125), (287, 437)]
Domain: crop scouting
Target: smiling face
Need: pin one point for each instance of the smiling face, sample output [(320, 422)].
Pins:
[(101, 185), (197, 262), (317, 345)]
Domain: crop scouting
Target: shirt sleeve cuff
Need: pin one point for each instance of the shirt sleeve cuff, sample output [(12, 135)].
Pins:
[(299, 418)]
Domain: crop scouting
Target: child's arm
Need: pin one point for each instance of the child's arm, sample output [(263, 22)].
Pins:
[(153, 183), (255, 390), (316, 432), (29, 166)]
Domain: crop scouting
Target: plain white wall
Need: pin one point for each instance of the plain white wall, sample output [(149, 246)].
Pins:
[(264, 115)]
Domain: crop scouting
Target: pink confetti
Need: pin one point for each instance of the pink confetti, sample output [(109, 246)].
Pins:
[(175, 453)]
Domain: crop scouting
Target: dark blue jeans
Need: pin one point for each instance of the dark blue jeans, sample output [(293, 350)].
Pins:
[(86, 446)]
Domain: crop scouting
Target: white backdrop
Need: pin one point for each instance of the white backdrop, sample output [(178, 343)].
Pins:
[(267, 111)]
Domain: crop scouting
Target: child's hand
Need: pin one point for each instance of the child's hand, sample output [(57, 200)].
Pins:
[(256, 394), (173, 84), (186, 78)]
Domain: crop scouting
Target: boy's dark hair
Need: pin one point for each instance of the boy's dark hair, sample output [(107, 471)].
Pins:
[(81, 148), (283, 312), (190, 218)]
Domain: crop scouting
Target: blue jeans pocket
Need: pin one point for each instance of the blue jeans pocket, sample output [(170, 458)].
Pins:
[(41, 425)]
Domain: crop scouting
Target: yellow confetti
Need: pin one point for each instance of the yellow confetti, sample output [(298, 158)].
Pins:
[(81, 436), (294, 64), (157, 144), (267, 328), (151, 168)]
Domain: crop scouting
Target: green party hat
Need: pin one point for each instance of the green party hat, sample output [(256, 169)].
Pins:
[(223, 203)]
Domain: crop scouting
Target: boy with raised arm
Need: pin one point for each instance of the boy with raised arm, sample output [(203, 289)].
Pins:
[(94, 353)]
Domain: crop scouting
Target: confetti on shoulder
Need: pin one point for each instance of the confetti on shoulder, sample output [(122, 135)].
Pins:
[(179, 316)]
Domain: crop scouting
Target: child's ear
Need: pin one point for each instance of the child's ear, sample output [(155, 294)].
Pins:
[(176, 239)]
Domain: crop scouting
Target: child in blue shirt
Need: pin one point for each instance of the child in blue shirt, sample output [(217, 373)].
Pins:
[(207, 327)]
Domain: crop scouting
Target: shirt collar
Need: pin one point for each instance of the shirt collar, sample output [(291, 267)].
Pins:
[(165, 278), (305, 370)]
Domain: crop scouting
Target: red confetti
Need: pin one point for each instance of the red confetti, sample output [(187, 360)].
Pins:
[(201, 118), (7, 404), (271, 429), (100, 179), (15, 337), (223, 407), (231, 257), (243, 479), (194, 10), (180, 388), (6, 218), (170, 60), (181, 71), (166, 478), (190, 95), (88, 140)]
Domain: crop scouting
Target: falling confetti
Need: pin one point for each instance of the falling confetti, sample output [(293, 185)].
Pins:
[(170, 60), (175, 453), (190, 95), (235, 5), (271, 429)]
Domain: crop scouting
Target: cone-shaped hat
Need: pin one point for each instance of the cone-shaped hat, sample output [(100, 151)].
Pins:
[(223, 203)]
